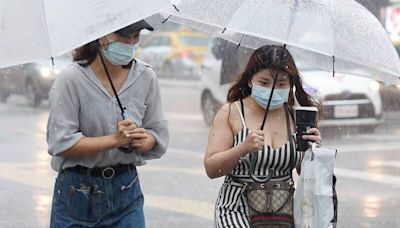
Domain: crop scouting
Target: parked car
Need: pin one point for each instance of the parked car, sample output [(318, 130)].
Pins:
[(33, 80), (391, 93), (175, 54), (347, 100)]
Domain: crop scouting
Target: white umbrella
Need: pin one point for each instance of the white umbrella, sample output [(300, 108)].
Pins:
[(315, 31), (32, 30)]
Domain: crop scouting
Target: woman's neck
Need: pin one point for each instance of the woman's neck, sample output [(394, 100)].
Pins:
[(114, 70)]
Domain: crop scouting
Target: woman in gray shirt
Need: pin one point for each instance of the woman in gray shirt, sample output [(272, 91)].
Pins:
[(94, 148)]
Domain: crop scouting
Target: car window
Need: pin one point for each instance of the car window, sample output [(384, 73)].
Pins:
[(156, 41), (193, 41), (397, 46), (165, 41)]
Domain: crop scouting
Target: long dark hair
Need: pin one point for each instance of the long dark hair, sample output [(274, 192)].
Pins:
[(271, 57), (86, 54)]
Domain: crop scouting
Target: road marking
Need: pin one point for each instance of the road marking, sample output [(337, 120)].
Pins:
[(183, 116), (188, 153), (179, 83), (375, 137), (368, 176), (163, 169), (185, 206), (395, 163), (367, 147), (42, 177), (186, 130)]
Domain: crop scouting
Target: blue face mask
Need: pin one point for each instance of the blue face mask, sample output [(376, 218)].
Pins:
[(261, 95), (118, 53)]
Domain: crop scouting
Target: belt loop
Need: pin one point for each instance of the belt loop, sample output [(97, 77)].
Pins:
[(89, 172)]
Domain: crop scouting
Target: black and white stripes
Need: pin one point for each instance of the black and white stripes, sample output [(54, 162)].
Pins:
[(277, 159), (231, 207)]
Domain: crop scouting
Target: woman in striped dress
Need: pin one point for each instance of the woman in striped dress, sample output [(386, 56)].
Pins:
[(235, 133)]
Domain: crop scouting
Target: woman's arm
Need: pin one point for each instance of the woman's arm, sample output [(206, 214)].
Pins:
[(88, 146), (220, 157), (153, 143)]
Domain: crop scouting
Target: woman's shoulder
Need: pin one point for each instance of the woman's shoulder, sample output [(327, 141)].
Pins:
[(146, 69), (228, 108), (228, 113), (69, 73)]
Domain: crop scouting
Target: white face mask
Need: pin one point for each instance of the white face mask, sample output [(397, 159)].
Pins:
[(118, 53), (261, 95)]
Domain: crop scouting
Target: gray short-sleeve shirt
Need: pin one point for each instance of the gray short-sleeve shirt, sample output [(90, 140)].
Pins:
[(80, 106)]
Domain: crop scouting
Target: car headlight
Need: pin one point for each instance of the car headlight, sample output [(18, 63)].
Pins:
[(398, 86), (374, 86), (45, 72)]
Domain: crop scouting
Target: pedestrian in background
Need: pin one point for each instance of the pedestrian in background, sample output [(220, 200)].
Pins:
[(95, 149), (235, 135)]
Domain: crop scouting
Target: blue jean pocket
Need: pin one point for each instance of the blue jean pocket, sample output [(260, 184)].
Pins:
[(131, 193), (85, 203)]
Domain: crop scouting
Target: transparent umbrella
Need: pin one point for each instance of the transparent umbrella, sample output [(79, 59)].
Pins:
[(37, 29), (319, 32)]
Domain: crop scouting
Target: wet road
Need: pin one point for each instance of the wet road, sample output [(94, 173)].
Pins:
[(177, 191)]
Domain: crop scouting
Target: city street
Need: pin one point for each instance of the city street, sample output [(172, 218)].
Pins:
[(177, 191)]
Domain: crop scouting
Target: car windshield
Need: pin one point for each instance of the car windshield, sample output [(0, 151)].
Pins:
[(193, 41)]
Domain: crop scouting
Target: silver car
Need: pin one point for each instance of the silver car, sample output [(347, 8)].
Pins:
[(33, 80)]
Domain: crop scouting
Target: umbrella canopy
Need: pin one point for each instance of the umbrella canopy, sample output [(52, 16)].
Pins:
[(315, 31), (32, 30)]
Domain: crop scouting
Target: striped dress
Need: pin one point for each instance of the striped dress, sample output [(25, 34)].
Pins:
[(231, 208)]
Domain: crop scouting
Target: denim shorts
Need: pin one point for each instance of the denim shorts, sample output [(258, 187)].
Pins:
[(84, 201)]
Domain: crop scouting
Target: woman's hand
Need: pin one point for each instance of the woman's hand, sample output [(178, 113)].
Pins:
[(124, 134), (142, 141), (253, 142), (314, 135)]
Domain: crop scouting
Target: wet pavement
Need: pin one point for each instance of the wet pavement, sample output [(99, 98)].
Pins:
[(177, 191)]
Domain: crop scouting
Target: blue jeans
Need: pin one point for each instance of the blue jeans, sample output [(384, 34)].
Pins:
[(84, 201)]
